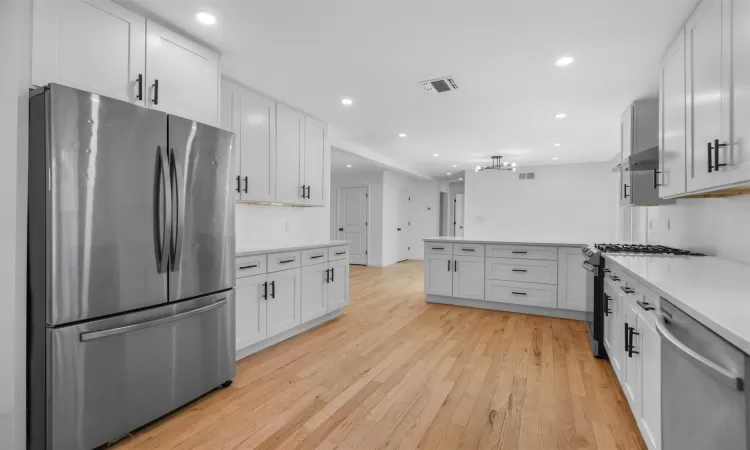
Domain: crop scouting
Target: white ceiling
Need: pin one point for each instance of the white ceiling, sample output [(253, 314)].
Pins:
[(340, 159), (502, 54)]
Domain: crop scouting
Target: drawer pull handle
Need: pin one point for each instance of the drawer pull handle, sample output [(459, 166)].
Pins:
[(645, 305), (520, 270), (518, 293), (614, 278), (248, 267), (626, 290), (316, 256), (519, 253), (340, 253), (286, 261), (468, 250), (438, 248)]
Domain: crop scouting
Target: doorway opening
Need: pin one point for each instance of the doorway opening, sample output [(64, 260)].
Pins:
[(352, 221)]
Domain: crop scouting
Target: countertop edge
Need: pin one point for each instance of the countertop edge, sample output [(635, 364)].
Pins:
[(500, 242), (717, 328), (289, 248)]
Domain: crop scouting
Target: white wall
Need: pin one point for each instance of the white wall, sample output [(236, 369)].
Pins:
[(374, 181), (714, 226), (564, 202), (261, 224), (15, 31)]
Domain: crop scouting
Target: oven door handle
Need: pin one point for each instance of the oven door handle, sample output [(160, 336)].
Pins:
[(588, 267), (700, 362)]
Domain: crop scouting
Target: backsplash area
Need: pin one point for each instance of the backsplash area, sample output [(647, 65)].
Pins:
[(715, 226), (265, 224)]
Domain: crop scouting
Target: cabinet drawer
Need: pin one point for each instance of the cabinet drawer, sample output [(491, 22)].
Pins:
[(468, 249), (525, 270), (439, 248), (314, 256), (522, 251), (247, 266), (336, 253), (283, 261), (518, 293)]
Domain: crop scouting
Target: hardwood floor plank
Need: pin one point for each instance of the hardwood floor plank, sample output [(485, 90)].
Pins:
[(397, 372)]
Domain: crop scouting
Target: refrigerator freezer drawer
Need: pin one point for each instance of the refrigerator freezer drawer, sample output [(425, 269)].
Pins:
[(111, 376)]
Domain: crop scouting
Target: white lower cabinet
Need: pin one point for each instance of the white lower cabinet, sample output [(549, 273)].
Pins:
[(519, 293), (571, 279), (314, 283), (650, 382), (613, 327), (468, 277), (630, 362), (250, 310), (437, 274), (283, 304), (338, 284)]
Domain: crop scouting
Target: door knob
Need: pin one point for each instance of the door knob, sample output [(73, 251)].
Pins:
[(341, 229), (398, 229)]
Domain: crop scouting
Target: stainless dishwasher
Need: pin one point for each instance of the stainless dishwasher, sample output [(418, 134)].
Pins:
[(704, 401)]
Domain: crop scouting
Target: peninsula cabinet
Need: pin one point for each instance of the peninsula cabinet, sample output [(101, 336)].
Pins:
[(712, 140), (283, 153), (102, 47)]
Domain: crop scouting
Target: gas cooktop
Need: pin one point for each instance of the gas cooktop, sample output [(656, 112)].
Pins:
[(643, 249)]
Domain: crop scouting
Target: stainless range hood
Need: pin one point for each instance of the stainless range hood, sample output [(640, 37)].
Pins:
[(640, 179), (641, 161)]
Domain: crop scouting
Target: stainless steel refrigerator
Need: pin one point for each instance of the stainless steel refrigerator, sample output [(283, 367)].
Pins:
[(131, 266)]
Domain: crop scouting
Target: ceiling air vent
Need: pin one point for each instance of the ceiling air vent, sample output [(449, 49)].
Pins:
[(440, 85), (526, 176)]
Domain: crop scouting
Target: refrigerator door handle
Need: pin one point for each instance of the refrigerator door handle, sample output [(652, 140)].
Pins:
[(89, 335), (177, 211), (161, 229)]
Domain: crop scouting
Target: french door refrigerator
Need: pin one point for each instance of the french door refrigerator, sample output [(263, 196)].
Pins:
[(131, 266)]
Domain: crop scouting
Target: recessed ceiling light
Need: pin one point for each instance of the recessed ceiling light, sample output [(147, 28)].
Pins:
[(455, 165), (460, 179), (556, 145), (348, 165), (513, 164), (346, 101), (206, 18), (560, 116), (555, 159), (448, 173), (402, 135), (436, 154), (565, 61)]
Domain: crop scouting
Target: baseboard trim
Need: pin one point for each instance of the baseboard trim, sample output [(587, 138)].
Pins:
[(299, 329), (496, 306)]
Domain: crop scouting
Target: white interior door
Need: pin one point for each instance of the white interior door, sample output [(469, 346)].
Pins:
[(458, 216), (352, 222), (402, 229)]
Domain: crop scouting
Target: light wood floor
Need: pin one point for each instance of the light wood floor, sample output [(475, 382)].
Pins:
[(395, 372)]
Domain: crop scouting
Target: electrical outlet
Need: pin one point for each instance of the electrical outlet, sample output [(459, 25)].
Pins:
[(650, 224)]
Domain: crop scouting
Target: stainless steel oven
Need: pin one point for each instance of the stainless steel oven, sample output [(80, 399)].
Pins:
[(594, 300)]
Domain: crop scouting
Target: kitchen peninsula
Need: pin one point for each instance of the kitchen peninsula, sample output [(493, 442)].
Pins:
[(532, 277)]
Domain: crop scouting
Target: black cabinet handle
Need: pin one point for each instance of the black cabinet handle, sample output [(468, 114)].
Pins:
[(328, 275), (608, 299), (333, 274), (631, 347), (303, 191), (286, 261), (248, 267), (455, 266), (518, 293), (156, 92), (449, 265), (614, 278), (627, 330), (438, 248), (625, 191), (316, 256), (265, 290), (519, 270), (716, 155), (645, 305), (245, 185), (139, 96), (519, 253), (710, 163), (238, 184), (340, 253), (468, 250), (626, 289), (341, 229), (656, 179), (308, 192), (273, 289), (607, 271), (398, 229)]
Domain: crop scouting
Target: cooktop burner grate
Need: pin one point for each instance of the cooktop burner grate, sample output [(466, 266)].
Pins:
[(643, 249)]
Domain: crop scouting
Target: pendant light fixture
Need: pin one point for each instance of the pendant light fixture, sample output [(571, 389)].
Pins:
[(497, 164)]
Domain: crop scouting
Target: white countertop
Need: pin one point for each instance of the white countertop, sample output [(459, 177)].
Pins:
[(714, 291), (285, 247), (484, 240)]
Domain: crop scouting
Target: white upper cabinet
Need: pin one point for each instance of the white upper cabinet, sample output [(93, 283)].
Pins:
[(182, 76), (737, 155), (672, 124), (290, 126), (231, 106), (626, 132), (708, 95), (93, 45), (316, 144)]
